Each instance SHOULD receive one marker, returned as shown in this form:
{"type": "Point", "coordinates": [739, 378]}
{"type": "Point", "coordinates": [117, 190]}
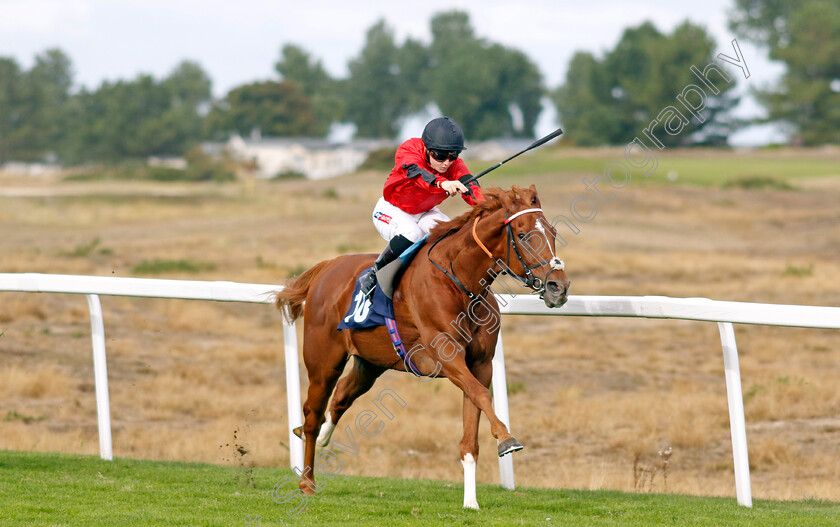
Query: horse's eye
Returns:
{"type": "Point", "coordinates": [521, 236]}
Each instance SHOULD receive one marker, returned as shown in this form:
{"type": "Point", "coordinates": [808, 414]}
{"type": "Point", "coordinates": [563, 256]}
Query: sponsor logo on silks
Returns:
{"type": "Point", "coordinates": [381, 216]}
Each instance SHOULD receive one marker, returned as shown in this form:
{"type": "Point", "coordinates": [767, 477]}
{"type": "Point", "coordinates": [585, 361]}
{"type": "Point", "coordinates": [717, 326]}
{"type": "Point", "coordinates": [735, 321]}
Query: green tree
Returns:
{"type": "Point", "coordinates": [48, 86]}
{"type": "Point", "coordinates": [297, 65]}
{"type": "Point", "coordinates": [273, 108]}
{"type": "Point", "coordinates": [805, 36]}
{"type": "Point", "coordinates": [613, 100]}
{"type": "Point", "coordinates": [118, 121]}
{"type": "Point", "coordinates": [10, 92]}
{"type": "Point", "coordinates": [190, 92]}
{"type": "Point", "coordinates": [139, 118]}
{"type": "Point", "coordinates": [189, 85]}
{"type": "Point", "coordinates": [323, 91]}
{"type": "Point", "coordinates": [375, 94]}
{"type": "Point", "coordinates": [580, 103]}
{"type": "Point", "coordinates": [413, 62]}
{"type": "Point", "coordinates": [489, 89]}
{"type": "Point", "coordinates": [478, 83]}
{"type": "Point", "coordinates": [34, 105]}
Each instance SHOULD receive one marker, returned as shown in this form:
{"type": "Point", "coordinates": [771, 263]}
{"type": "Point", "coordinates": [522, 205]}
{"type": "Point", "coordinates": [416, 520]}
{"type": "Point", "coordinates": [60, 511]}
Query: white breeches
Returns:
{"type": "Point", "coordinates": [390, 221]}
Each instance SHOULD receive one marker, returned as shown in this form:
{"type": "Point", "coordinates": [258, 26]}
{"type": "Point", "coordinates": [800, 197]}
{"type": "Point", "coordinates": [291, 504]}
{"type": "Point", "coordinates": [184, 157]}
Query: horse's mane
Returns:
{"type": "Point", "coordinates": [495, 198]}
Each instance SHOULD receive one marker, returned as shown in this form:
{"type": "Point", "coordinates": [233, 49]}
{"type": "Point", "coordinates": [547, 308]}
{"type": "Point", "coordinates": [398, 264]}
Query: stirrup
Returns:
{"type": "Point", "coordinates": [367, 283]}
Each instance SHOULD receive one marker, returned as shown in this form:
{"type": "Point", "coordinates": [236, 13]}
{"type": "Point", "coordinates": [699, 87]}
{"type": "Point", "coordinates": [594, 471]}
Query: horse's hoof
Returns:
{"type": "Point", "coordinates": [299, 432]}
{"type": "Point", "coordinates": [306, 488]}
{"type": "Point", "coordinates": [471, 504]}
{"type": "Point", "coordinates": [509, 445]}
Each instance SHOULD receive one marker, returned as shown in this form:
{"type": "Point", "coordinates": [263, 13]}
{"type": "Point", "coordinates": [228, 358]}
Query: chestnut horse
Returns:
{"type": "Point", "coordinates": [442, 308]}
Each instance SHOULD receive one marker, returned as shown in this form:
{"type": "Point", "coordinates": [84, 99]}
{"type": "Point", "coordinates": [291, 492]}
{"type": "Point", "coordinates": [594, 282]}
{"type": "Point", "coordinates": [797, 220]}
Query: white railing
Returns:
{"type": "Point", "coordinates": [701, 309]}
{"type": "Point", "coordinates": [93, 286]}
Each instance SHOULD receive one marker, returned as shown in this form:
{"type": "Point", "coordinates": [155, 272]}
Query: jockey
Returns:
{"type": "Point", "coordinates": [426, 172]}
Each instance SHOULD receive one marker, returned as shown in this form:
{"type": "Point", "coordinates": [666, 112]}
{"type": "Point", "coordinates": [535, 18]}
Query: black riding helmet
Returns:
{"type": "Point", "coordinates": [444, 134]}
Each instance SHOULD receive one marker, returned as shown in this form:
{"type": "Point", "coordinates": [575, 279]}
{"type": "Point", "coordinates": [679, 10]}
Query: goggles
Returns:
{"type": "Point", "coordinates": [441, 155]}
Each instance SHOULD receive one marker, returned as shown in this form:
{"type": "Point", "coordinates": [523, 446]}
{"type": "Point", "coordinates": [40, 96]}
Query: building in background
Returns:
{"type": "Point", "coordinates": [311, 157]}
{"type": "Point", "coordinates": [316, 158]}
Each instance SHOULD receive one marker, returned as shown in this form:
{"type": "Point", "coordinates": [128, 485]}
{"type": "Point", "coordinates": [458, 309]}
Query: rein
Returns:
{"type": "Point", "coordinates": [451, 273]}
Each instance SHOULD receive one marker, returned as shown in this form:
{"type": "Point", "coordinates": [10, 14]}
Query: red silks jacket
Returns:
{"type": "Point", "coordinates": [414, 195]}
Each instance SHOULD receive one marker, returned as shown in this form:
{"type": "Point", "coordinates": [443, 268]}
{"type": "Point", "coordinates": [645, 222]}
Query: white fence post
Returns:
{"type": "Point", "coordinates": [100, 377]}
{"type": "Point", "coordinates": [737, 423]}
{"type": "Point", "coordinates": [293, 395]}
{"type": "Point", "coordinates": [500, 406]}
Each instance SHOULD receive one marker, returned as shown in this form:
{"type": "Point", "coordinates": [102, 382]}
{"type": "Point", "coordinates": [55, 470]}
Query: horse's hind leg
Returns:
{"type": "Point", "coordinates": [325, 360]}
{"type": "Point", "coordinates": [357, 382]}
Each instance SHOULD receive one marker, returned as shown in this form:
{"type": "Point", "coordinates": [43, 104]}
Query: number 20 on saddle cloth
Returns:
{"type": "Point", "coordinates": [367, 313]}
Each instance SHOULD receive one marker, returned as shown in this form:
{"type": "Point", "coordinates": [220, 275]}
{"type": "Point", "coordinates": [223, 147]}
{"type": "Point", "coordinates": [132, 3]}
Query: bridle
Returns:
{"type": "Point", "coordinates": [529, 280]}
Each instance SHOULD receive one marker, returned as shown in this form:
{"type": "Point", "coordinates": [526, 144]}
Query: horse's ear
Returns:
{"type": "Point", "coordinates": [534, 199]}
{"type": "Point", "coordinates": [505, 198]}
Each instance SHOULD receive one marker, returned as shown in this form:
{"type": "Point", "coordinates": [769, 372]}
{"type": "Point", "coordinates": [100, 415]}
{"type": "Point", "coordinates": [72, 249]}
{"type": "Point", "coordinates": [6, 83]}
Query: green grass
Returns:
{"type": "Point", "coordinates": [14, 415]}
{"type": "Point", "coordinates": [157, 266]}
{"type": "Point", "coordinates": [793, 270]}
{"type": "Point", "coordinates": [83, 250]}
{"type": "Point", "coordinates": [758, 182]}
{"type": "Point", "coordinates": [66, 489]}
{"type": "Point", "coordinates": [718, 171]}
{"type": "Point", "coordinates": [701, 167]}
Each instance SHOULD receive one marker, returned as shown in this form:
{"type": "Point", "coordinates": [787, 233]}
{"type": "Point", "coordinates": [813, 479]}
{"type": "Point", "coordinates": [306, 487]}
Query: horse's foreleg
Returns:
{"type": "Point", "coordinates": [356, 383]}
{"type": "Point", "coordinates": [457, 372]}
{"type": "Point", "coordinates": [469, 452]}
{"type": "Point", "coordinates": [469, 443]}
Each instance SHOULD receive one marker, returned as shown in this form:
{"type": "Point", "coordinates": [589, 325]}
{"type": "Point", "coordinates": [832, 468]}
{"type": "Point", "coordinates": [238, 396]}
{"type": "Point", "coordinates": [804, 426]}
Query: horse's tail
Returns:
{"type": "Point", "coordinates": [290, 299]}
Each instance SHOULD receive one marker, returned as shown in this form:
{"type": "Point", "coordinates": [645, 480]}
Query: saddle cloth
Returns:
{"type": "Point", "coordinates": [364, 313]}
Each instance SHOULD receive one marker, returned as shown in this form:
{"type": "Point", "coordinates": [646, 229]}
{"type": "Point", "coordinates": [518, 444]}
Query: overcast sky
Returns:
{"type": "Point", "coordinates": [238, 42]}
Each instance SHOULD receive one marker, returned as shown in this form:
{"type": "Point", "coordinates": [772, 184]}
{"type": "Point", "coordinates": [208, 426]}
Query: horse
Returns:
{"type": "Point", "coordinates": [443, 311]}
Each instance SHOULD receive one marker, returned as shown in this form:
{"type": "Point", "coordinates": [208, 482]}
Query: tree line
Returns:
{"type": "Point", "coordinates": [491, 89]}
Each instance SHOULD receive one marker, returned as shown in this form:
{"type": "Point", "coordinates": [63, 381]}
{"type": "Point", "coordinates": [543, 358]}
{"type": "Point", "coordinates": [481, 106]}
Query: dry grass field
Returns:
{"type": "Point", "coordinates": [593, 400]}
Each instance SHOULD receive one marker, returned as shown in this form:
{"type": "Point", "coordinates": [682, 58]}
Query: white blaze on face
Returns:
{"type": "Point", "coordinates": [539, 226]}
{"type": "Point", "coordinates": [557, 264]}
{"type": "Point", "coordinates": [469, 464]}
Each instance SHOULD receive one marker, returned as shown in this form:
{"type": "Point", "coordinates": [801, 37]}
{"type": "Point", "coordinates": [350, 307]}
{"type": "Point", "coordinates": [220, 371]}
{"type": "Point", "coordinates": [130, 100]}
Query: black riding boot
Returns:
{"type": "Point", "coordinates": [395, 247]}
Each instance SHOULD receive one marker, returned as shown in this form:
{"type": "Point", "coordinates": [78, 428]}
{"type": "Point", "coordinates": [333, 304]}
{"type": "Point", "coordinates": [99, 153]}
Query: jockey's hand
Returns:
{"type": "Point", "coordinates": [453, 187]}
